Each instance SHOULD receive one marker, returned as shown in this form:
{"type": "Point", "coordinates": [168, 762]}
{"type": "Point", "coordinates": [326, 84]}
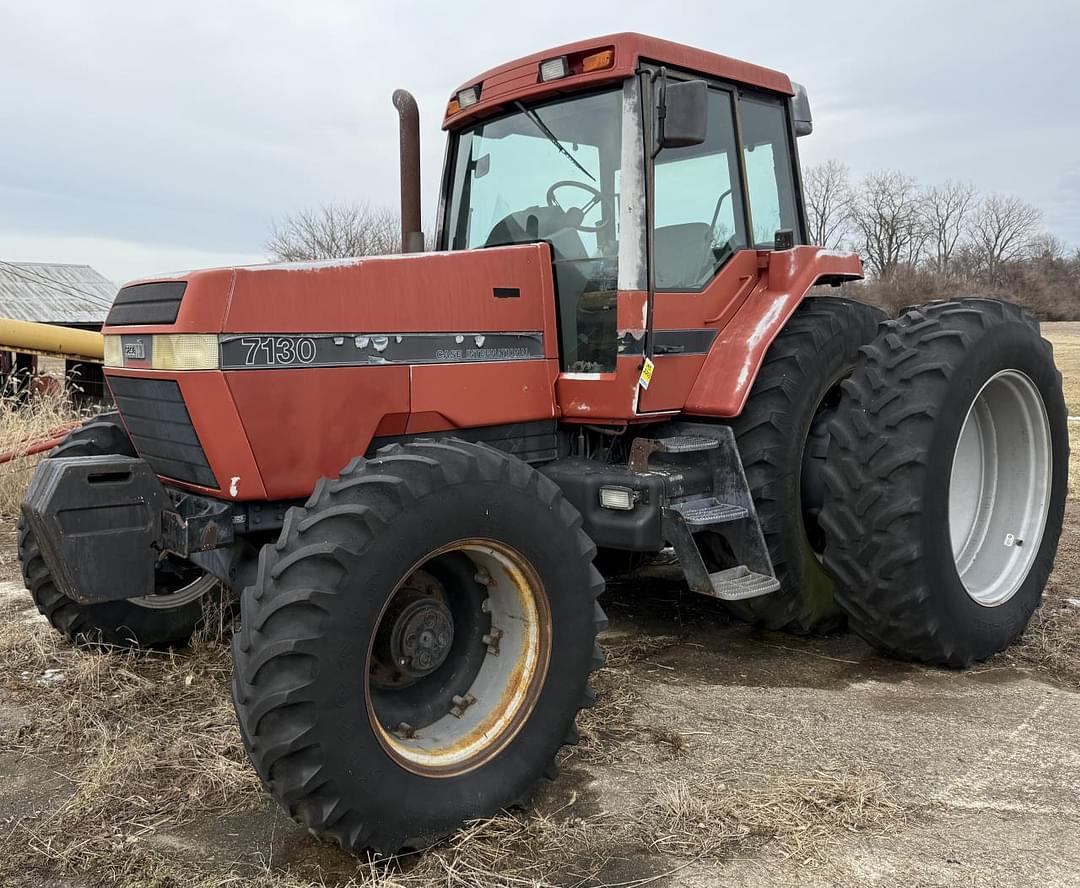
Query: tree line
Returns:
{"type": "Point", "coordinates": [921, 243]}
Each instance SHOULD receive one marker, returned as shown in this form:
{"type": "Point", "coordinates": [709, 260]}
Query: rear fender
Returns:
{"type": "Point", "coordinates": [731, 366]}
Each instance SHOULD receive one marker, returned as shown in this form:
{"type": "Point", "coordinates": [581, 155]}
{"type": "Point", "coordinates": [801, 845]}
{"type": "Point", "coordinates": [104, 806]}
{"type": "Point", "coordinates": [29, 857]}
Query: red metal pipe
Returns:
{"type": "Point", "coordinates": [40, 446]}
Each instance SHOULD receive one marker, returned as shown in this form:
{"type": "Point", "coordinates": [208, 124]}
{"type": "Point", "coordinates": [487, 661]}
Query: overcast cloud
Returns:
{"type": "Point", "coordinates": [143, 137]}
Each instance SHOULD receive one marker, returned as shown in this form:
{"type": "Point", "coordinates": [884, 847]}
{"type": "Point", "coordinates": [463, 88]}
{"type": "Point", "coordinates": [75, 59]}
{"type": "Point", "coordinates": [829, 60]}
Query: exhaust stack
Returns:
{"type": "Point", "coordinates": [412, 237]}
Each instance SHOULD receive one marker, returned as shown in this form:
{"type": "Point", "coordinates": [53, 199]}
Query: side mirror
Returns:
{"type": "Point", "coordinates": [683, 114]}
{"type": "Point", "coordinates": [800, 111]}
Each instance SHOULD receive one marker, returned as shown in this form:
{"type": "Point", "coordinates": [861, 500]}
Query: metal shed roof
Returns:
{"type": "Point", "coordinates": [52, 293]}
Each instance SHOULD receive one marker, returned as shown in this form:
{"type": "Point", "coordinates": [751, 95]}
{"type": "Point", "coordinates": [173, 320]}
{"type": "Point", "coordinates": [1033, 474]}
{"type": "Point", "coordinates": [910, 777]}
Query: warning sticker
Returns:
{"type": "Point", "coordinates": [646, 373]}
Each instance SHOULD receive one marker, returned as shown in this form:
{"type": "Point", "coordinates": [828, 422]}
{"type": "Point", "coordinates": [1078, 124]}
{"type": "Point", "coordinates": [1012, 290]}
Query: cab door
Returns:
{"type": "Point", "coordinates": [716, 206]}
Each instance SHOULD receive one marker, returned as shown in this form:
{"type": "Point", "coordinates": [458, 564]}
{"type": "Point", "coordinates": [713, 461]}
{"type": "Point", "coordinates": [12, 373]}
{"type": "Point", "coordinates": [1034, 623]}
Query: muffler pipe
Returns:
{"type": "Point", "coordinates": [412, 235]}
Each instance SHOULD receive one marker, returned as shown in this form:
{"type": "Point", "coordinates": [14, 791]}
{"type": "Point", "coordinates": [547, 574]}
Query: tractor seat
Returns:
{"type": "Point", "coordinates": [539, 223]}
{"type": "Point", "coordinates": [683, 255]}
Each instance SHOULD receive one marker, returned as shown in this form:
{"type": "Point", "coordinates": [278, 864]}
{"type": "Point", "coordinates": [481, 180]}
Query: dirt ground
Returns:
{"type": "Point", "coordinates": [717, 755]}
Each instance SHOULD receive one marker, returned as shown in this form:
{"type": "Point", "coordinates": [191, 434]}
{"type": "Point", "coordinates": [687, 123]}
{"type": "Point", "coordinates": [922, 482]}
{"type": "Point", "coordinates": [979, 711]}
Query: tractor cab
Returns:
{"type": "Point", "coordinates": [647, 174]}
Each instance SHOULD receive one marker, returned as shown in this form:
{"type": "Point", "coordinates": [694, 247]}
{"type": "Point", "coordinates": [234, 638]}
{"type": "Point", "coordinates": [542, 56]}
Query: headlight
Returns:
{"type": "Point", "coordinates": [114, 352]}
{"type": "Point", "coordinates": [163, 351]}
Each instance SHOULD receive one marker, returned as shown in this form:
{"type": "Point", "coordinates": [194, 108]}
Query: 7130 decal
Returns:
{"type": "Point", "coordinates": [252, 351]}
{"type": "Point", "coordinates": [272, 351]}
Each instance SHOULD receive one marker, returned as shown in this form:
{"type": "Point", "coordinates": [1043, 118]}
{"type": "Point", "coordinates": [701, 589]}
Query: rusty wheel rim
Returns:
{"type": "Point", "coordinates": [480, 722]}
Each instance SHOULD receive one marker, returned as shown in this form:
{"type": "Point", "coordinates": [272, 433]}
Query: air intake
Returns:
{"type": "Point", "coordinates": [147, 304]}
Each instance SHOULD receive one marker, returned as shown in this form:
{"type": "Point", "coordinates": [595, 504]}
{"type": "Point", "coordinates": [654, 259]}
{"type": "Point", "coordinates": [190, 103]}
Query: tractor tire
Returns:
{"type": "Point", "coordinates": [371, 733]}
{"type": "Point", "coordinates": [946, 480]}
{"type": "Point", "coordinates": [167, 615]}
{"type": "Point", "coordinates": [782, 435]}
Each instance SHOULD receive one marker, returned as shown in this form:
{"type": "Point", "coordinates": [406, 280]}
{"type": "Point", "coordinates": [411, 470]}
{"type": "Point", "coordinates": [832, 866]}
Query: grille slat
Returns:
{"type": "Point", "coordinates": [160, 428]}
{"type": "Point", "coordinates": [147, 304]}
{"type": "Point", "coordinates": [155, 431]}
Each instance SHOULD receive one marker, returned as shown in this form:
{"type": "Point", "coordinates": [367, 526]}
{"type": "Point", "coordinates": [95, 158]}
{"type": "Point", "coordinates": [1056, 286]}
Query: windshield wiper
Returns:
{"type": "Point", "coordinates": [540, 125]}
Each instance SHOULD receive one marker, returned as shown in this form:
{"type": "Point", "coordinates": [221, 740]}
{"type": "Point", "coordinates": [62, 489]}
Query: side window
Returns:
{"type": "Point", "coordinates": [770, 179]}
{"type": "Point", "coordinates": [698, 204]}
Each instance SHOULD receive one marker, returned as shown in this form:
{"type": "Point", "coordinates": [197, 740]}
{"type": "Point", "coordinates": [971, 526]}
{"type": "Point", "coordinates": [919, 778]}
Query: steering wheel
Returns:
{"type": "Point", "coordinates": [576, 214]}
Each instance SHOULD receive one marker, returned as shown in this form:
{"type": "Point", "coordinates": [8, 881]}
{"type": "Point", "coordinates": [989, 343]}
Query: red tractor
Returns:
{"type": "Point", "coordinates": [405, 466]}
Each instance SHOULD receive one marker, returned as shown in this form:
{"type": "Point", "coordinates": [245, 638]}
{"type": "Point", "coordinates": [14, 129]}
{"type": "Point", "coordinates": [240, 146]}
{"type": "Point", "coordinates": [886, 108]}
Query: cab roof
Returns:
{"type": "Point", "coordinates": [520, 79]}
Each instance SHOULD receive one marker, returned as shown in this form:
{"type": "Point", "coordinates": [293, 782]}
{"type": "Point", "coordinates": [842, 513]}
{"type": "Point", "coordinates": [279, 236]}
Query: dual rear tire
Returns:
{"type": "Point", "coordinates": [946, 480]}
{"type": "Point", "coordinates": [910, 475]}
{"type": "Point", "coordinates": [782, 434]}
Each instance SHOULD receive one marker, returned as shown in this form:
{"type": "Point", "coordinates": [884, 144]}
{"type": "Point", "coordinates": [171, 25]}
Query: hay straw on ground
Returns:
{"type": "Point", "coordinates": [24, 422]}
{"type": "Point", "coordinates": [151, 737]}
{"type": "Point", "coordinates": [152, 744]}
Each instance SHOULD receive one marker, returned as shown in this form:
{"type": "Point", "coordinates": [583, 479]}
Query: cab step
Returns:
{"type": "Point", "coordinates": [740, 583]}
{"type": "Point", "coordinates": [726, 510]}
{"type": "Point", "coordinates": [705, 512]}
{"type": "Point", "coordinates": [687, 443]}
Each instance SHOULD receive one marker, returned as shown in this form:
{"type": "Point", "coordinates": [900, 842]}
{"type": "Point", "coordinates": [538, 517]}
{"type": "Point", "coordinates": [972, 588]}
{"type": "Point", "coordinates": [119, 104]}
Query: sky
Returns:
{"type": "Point", "coordinates": [143, 138]}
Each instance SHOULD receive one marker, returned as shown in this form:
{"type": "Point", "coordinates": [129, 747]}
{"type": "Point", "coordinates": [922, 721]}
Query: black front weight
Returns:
{"type": "Point", "coordinates": [98, 522]}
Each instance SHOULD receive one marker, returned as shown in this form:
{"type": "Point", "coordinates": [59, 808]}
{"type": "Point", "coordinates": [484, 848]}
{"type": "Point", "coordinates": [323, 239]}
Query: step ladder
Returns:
{"type": "Point", "coordinates": [729, 512]}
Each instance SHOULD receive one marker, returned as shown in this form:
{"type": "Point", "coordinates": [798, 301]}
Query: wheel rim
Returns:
{"type": "Point", "coordinates": [178, 590]}
{"type": "Point", "coordinates": [999, 487]}
{"type": "Point", "coordinates": [495, 650]}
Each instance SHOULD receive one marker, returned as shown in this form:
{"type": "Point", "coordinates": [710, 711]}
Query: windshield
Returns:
{"type": "Point", "coordinates": [551, 173]}
{"type": "Point", "coordinates": [534, 168]}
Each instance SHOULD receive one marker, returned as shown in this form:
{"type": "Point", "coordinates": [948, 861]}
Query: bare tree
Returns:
{"type": "Point", "coordinates": [335, 231]}
{"type": "Point", "coordinates": [945, 211]}
{"type": "Point", "coordinates": [828, 203]}
{"type": "Point", "coordinates": [887, 216]}
{"type": "Point", "coordinates": [1049, 246]}
{"type": "Point", "coordinates": [1002, 229]}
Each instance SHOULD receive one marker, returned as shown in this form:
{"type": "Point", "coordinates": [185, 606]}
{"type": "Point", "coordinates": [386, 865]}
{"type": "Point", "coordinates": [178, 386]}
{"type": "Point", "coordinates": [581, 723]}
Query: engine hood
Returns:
{"type": "Point", "coordinates": [481, 291]}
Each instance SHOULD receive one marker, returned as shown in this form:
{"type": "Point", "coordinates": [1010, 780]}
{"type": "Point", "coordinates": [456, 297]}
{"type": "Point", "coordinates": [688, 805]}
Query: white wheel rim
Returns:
{"type": "Point", "coordinates": [999, 487]}
{"type": "Point", "coordinates": [184, 595]}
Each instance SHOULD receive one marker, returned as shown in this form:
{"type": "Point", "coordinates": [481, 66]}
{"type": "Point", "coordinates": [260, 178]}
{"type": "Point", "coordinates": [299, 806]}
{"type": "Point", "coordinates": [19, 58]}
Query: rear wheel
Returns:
{"type": "Point", "coordinates": [783, 437]}
{"type": "Point", "coordinates": [167, 614]}
{"type": "Point", "coordinates": [946, 482]}
{"type": "Point", "coordinates": [417, 645]}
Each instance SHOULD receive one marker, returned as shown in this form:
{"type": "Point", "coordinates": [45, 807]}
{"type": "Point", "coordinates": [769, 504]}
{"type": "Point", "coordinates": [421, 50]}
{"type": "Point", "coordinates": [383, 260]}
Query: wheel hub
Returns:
{"type": "Point", "coordinates": [459, 657]}
{"type": "Point", "coordinates": [421, 637]}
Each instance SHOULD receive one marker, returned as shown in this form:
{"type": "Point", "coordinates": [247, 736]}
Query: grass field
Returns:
{"type": "Point", "coordinates": [717, 755]}
{"type": "Point", "coordinates": [1065, 337]}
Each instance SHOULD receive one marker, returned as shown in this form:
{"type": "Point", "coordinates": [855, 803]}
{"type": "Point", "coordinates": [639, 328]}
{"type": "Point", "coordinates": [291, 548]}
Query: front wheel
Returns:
{"type": "Point", "coordinates": [417, 644]}
{"type": "Point", "coordinates": [946, 479]}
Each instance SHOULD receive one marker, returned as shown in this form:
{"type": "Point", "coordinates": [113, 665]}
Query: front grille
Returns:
{"type": "Point", "coordinates": [147, 304]}
{"type": "Point", "coordinates": [160, 427]}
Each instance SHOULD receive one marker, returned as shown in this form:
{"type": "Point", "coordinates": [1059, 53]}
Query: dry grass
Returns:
{"type": "Point", "coordinates": [150, 737]}
{"type": "Point", "coordinates": [23, 424]}
{"type": "Point", "coordinates": [801, 813]}
{"type": "Point", "coordinates": [1065, 337]}
{"type": "Point", "coordinates": [1051, 642]}
{"type": "Point", "coordinates": [151, 744]}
